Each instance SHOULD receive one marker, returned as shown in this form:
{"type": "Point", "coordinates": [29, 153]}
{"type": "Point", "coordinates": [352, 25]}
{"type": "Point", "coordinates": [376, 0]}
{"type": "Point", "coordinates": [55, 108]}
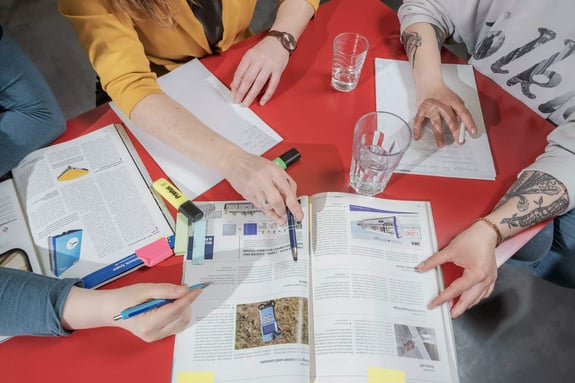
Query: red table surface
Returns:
{"type": "Point", "coordinates": [318, 121]}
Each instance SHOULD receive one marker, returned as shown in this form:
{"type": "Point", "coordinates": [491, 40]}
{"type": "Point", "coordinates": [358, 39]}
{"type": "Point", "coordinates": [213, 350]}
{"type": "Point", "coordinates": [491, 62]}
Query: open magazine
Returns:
{"type": "Point", "coordinates": [351, 308]}
{"type": "Point", "coordinates": [80, 209]}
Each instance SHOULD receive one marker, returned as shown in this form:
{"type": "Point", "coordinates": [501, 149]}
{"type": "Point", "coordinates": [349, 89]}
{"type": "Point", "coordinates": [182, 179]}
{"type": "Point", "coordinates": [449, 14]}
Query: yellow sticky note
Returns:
{"type": "Point", "coordinates": [195, 377]}
{"type": "Point", "coordinates": [384, 375]}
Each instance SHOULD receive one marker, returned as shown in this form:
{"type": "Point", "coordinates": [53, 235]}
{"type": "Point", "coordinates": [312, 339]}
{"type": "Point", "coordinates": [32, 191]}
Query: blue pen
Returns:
{"type": "Point", "coordinates": [292, 237]}
{"type": "Point", "coordinates": [152, 304]}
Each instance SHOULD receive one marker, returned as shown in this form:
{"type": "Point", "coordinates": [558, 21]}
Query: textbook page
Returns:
{"type": "Point", "coordinates": [395, 92]}
{"type": "Point", "coordinates": [88, 207]}
{"type": "Point", "coordinates": [369, 303]}
{"type": "Point", "coordinates": [251, 324]}
{"type": "Point", "coordinates": [200, 92]}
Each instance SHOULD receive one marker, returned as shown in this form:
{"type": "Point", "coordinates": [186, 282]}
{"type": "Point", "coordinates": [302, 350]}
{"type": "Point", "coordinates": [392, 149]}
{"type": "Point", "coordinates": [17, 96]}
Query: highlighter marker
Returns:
{"type": "Point", "coordinates": [177, 199]}
{"type": "Point", "coordinates": [287, 158]}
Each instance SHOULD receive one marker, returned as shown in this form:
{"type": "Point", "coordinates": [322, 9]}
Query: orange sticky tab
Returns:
{"type": "Point", "coordinates": [155, 252]}
{"type": "Point", "coordinates": [195, 377]}
{"type": "Point", "coordinates": [384, 375]}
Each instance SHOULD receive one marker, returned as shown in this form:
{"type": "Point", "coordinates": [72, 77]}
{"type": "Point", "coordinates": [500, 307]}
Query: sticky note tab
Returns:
{"type": "Point", "coordinates": [384, 375]}
{"type": "Point", "coordinates": [181, 243]}
{"type": "Point", "coordinates": [195, 377]}
{"type": "Point", "coordinates": [155, 252]}
{"type": "Point", "coordinates": [199, 245]}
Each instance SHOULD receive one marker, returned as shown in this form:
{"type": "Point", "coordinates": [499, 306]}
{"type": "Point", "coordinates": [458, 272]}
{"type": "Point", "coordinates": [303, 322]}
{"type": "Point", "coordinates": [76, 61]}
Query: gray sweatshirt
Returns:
{"type": "Point", "coordinates": [528, 49]}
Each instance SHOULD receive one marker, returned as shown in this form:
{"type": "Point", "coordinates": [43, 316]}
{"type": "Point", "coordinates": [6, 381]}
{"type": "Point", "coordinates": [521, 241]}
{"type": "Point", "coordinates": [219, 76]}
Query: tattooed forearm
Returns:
{"type": "Point", "coordinates": [530, 190]}
{"type": "Point", "coordinates": [411, 41]}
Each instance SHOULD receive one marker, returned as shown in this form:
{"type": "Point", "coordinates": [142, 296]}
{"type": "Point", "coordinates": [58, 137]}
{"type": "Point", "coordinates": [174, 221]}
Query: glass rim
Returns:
{"type": "Point", "coordinates": [379, 113]}
{"type": "Point", "coordinates": [356, 34]}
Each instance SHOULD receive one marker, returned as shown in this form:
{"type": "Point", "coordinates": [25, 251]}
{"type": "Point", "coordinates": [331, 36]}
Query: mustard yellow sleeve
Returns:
{"type": "Point", "coordinates": [114, 50]}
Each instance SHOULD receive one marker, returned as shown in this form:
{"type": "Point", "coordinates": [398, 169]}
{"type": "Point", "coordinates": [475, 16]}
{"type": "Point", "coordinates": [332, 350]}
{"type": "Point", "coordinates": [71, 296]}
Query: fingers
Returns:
{"type": "Point", "coordinates": [466, 119]}
{"type": "Point", "coordinates": [263, 64]}
{"type": "Point", "coordinates": [249, 84]}
{"type": "Point", "coordinates": [279, 195]}
{"type": "Point", "coordinates": [163, 291]}
{"type": "Point", "coordinates": [271, 88]}
{"type": "Point", "coordinates": [470, 298]}
{"type": "Point", "coordinates": [451, 113]}
{"type": "Point", "coordinates": [435, 260]}
{"type": "Point", "coordinates": [165, 320]}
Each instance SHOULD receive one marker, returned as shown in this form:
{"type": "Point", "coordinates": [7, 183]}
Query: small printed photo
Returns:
{"type": "Point", "coordinates": [416, 342]}
{"type": "Point", "coordinates": [278, 321]}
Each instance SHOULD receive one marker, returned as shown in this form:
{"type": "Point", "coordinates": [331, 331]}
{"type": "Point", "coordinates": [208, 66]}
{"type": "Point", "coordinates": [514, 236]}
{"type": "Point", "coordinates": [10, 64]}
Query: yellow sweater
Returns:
{"type": "Point", "coordinates": [121, 54]}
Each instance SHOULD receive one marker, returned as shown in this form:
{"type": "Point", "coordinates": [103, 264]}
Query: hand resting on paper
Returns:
{"type": "Point", "coordinates": [263, 64]}
{"type": "Point", "coordinates": [96, 308]}
{"type": "Point", "coordinates": [441, 106]}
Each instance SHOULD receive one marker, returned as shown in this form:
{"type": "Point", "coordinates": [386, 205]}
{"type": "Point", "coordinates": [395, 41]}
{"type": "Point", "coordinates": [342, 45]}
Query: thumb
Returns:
{"type": "Point", "coordinates": [166, 291]}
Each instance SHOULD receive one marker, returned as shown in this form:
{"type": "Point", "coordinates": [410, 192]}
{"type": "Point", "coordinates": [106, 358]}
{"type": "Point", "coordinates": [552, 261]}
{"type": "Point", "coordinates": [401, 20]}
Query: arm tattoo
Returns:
{"type": "Point", "coordinates": [532, 186]}
{"type": "Point", "coordinates": [411, 41]}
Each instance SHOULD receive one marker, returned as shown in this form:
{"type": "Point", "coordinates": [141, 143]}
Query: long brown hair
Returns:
{"type": "Point", "coordinates": [159, 11]}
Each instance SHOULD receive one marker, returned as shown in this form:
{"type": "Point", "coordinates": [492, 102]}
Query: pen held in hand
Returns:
{"type": "Point", "coordinates": [292, 236]}
{"type": "Point", "coordinates": [152, 304]}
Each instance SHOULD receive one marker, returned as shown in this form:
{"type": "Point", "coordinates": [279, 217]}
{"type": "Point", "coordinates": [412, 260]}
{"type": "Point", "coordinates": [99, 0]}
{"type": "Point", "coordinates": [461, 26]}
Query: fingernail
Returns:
{"type": "Point", "coordinates": [181, 289]}
{"type": "Point", "coordinates": [418, 267]}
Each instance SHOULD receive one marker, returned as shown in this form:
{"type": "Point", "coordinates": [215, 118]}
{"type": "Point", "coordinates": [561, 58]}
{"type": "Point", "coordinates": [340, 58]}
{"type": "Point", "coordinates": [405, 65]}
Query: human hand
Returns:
{"type": "Point", "coordinates": [441, 105]}
{"type": "Point", "coordinates": [265, 184]}
{"type": "Point", "coordinates": [85, 308]}
{"type": "Point", "coordinates": [160, 322]}
{"type": "Point", "coordinates": [263, 63]}
{"type": "Point", "coordinates": [474, 251]}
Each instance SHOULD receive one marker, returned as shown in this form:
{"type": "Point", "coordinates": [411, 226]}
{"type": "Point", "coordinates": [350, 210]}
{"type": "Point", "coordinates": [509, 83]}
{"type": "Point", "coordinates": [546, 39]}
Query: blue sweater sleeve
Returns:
{"type": "Point", "coordinates": [32, 304]}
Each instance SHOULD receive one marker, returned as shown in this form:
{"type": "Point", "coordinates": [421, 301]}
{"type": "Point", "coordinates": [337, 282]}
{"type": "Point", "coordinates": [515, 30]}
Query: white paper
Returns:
{"type": "Point", "coordinates": [199, 91]}
{"type": "Point", "coordinates": [395, 92]}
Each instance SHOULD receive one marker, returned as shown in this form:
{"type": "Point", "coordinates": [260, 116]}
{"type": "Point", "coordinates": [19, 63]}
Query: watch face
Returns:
{"type": "Point", "coordinates": [288, 41]}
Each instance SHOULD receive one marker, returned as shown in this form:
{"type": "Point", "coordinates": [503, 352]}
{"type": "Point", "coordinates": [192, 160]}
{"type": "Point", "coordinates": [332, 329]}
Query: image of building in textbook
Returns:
{"type": "Point", "coordinates": [277, 321]}
{"type": "Point", "coordinates": [416, 342]}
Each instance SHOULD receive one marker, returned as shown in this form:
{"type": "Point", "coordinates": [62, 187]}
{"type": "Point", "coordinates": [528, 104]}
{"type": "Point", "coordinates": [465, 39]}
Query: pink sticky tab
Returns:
{"type": "Point", "coordinates": [155, 252]}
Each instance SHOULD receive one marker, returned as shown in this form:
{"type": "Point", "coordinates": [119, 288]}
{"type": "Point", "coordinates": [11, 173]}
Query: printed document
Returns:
{"type": "Point", "coordinates": [80, 209]}
{"type": "Point", "coordinates": [395, 92]}
{"type": "Point", "coordinates": [351, 306]}
{"type": "Point", "coordinates": [199, 91]}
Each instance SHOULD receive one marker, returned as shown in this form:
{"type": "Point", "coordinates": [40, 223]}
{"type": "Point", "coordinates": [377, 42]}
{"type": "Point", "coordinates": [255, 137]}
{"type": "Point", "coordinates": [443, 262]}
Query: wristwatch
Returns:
{"type": "Point", "coordinates": [287, 40]}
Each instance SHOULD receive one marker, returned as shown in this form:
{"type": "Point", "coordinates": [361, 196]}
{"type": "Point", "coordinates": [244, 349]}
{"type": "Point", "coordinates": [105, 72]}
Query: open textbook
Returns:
{"type": "Point", "coordinates": [80, 209]}
{"type": "Point", "coordinates": [395, 92]}
{"type": "Point", "coordinates": [200, 92]}
{"type": "Point", "coordinates": [351, 309]}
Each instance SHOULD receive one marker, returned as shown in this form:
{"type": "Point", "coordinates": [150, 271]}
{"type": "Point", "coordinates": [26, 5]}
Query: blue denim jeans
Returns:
{"type": "Point", "coordinates": [550, 255]}
{"type": "Point", "coordinates": [29, 114]}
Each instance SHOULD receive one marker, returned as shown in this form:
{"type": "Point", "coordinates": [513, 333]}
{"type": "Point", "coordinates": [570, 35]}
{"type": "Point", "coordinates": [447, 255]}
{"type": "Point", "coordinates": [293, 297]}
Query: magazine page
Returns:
{"type": "Point", "coordinates": [88, 207]}
{"type": "Point", "coordinates": [251, 323]}
{"type": "Point", "coordinates": [369, 303]}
